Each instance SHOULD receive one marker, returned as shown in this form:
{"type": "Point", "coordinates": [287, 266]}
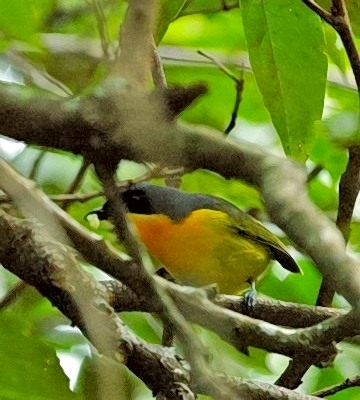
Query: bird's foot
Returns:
{"type": "Point", "coordinates": [250, 295]}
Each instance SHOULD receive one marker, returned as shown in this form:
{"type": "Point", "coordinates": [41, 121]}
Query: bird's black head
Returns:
{"type": "Point", "coordinates": [137, 200]}
{"type": "Point", "coordinates": [145, 198]}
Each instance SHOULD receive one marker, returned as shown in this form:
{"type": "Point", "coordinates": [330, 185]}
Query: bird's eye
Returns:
{"type": "Point", "coordinates": [137, 202]}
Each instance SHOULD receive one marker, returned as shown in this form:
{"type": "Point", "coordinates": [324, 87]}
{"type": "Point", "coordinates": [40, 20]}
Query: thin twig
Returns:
{"type": "Point", "coordinates": [35, 168]}
{"type": "Point", "coordinates": [12, 294]}
{"type": "Point", "coordinates": [193, 348]}
{"type": "Point", "coordinates": [79, 197]}
{"type": "Point", "coordinates": [41, 78]}
{"type": "Point", "coordinates": [220, 66]}
{"type": "Point", "coordinates": [338, 19]}
{"type": "Point", "coordinates": [325, 15]}
{"type": "Point", "coordinates": [181, 9]}
{"type": "Point", "coordinates": [239, 89]}
{"type": "Point", "coordinates": [153, 171]}
{"type": "Point", "coordinates": [157, 69]}
{"type": "Point", "coordinates": [343, 27]}
{"type": "Point", "coordinates": [76, 183]}
{"type": "Point", "coordinates": [348, 383]}
{"type": "Point", "coordinates": [314, 173]}
{"type": "Point", "coordinates": [239, 86]}
{"type": "Point", "coordinates": [102, 27]}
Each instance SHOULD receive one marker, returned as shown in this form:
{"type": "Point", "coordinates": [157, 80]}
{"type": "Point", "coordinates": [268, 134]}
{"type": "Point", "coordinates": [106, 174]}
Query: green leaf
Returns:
{"type": "Point", "coordinates": [202, 181]}
{"type": "Point", "coordinates": [103, 375]}
{"type": "Point", "coordinates": [206, 31]}
{"type": "Point", "coordinates": [208, 6]}
{"type": "Point", "coordinates": [31, 368]}
{"type": "Point", "coordinates": [323, 195]}
{"type": "Point", "coordinates": [355, 235]}
{"type": "Point", "coordinates": [353, 7]}
{"type": "Point", "coordinates": [214, 108]}
{"type": "Point", "coordinates": [18, 20]}
{"type": "Point", "coordinates": [327, 154]}
{"type": "Point", "coordinates": [281, 285]}
{"type": "Point", "coordinates": [169, 11]}
{"type": "Point", "coordinates": [285, 44]}
{"type": "Point", "coordinates": [334, 49]}
{"type": "Point", "coordinates": [344, 127]}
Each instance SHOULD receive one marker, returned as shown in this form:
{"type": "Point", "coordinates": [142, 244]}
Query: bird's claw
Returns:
{"type": "Point", "coordinates": [250, 296]}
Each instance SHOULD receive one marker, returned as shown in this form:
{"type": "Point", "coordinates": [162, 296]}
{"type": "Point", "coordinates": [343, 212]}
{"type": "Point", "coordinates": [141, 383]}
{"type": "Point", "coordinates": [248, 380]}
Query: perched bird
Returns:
{"type": "Point", "coordinates": [201, 239]}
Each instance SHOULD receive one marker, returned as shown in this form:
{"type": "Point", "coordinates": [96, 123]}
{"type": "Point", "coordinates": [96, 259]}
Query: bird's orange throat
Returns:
{"type": "Point", "coordinates": [202, 249]}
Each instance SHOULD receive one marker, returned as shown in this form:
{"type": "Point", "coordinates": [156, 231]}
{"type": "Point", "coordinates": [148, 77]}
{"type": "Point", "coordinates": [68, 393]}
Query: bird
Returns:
{"type": "Point", "coordinates": [201, 239]}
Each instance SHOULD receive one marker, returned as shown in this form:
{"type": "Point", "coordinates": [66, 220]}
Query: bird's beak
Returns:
{"type": "Point", "coordinates": [94, 217]}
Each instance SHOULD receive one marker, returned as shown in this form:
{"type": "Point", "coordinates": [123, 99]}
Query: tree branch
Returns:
{"type": "Point", "coordinates": [348, 383]}
{"type": "Point", "coordinates": [193, 348]}
{"type": "Point", "coordinates": [239, 87]}
{"type": "Point", "coordinates": [76, 183]}
{"type": "Point", "coordinates": [12, 294]}
{"type": "Point", "coordinates": [350, 180]}
{"type": "Point", "coordinates": [45, 273]}
{"type": "Point", "coordinates": [321, 12]}
{"type": "Point", "coordinates": [124, 131]}
{"type": "Point", "coordinates": [51, 267]}
{"type": "Point", "coordinates": [292, 315]}
{"type": "Point", "coordinates": [134, 63]}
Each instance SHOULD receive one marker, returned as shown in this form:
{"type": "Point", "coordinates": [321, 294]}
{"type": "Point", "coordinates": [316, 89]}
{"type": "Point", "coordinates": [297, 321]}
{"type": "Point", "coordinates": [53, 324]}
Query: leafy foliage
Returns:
{"type": "Point", "coordinates": [285, 92]}
{"type": "Point", "coordinates": [291, 73]}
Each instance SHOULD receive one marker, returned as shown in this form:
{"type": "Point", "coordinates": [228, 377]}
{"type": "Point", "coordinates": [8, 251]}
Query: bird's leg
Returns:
{"type": "Point", "coordinates": [168, 329]}
{"type": "Point", "coordinates": [250, 295]}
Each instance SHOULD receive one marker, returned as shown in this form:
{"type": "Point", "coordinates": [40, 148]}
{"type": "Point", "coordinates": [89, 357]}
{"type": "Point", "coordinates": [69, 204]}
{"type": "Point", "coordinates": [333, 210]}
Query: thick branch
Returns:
{"type": "Point", "coordinates": [238, 330]}
{"type": "Point", "coordinates": [248, 331]}
{"type": "Point", "coordinates": [276, 312]}
{"type": "Point", "coordinates": [52, 269]}
{"type": "Point", "coordinates": [131, 129]}
{"type": "Point", "coordinates": [241, 331]}
{"type": "Point", "coordinates": [193, 348]}
{"type": "Point", "coordinates": [350, 180]}
{"type": "Point", "coordinates": [292, 315]}
{"type": "Point", "coordinates": [158, 368]}
{"type": "Point", "coordinates": [136, 42]}
{"type": "Point", "coordinates": [59, 284]}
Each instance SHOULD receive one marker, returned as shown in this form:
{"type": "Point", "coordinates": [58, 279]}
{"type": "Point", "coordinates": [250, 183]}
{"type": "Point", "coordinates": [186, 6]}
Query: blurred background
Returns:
{"type": "Point", "coordinates": [54, 46]}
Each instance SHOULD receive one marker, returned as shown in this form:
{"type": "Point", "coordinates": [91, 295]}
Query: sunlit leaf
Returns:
{"type": "Point", "coordinates": [334, 49]}
{"type": "Point", "coordinates": [294, 287]}
{"type": "Point", "coordinates": [169, 10]}
{"type": "Point", "coordinates": [32, 368]}
{"type": "Point", "coordinates": [203, 31]}
{"type": "Point", "coordinates": [286, 45]}
{"type": "Point", "coordinates": [18, 20]}
{"type": "Point", "coordinates": [327, 154]}
{"type": "Point", "coordinates": [208, 6]}
{"type": "Point", "coordinates": [353, 7]}
{"type": "Point", "coordinates": [214, 108]}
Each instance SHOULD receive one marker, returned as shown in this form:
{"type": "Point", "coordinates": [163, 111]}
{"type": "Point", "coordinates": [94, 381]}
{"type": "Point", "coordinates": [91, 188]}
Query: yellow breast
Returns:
{"type": "Point", "coordinates": [203, 249]}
